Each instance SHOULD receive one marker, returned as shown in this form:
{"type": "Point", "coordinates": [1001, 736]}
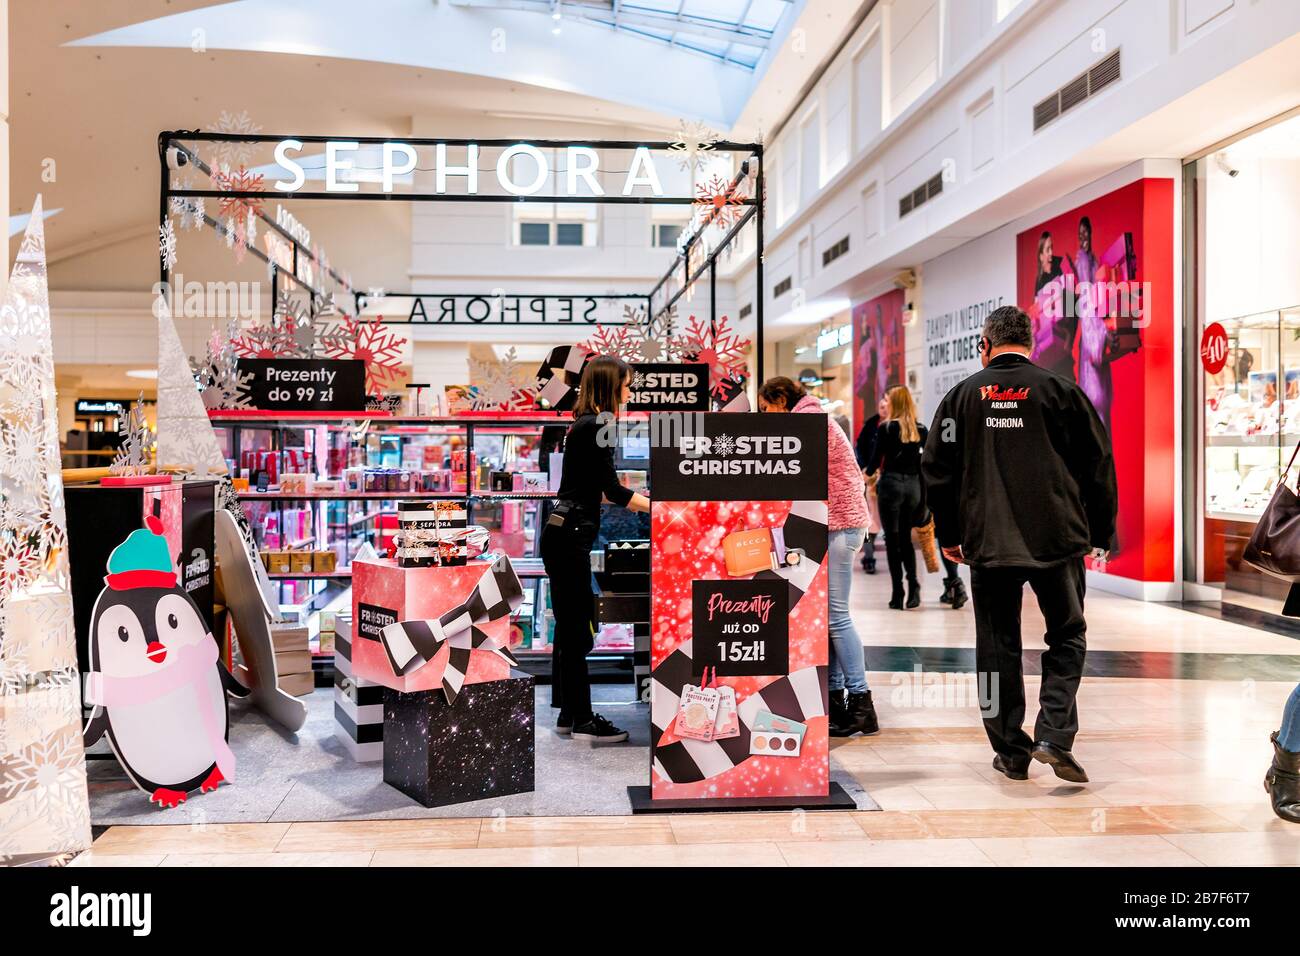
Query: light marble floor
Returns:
{"type": "Point", "coordinates": [1176, 770]}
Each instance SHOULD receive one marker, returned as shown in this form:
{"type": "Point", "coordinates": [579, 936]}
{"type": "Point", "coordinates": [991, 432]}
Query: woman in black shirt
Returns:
{"type": "Point", "coordinates": [568, 536]}
{"type": "Point", "coordinates": [897, 456]}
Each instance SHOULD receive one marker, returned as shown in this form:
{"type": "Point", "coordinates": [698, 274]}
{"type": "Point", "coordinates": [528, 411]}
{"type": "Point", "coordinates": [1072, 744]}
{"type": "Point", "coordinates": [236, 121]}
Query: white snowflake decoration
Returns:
{"type": "Point", "coordinates": [724, 445]}
{"type": "Point", "coordinates": [497, 385]}
{"type": "Point", "coordinates": [167, 244]}
{"type": "Point", "coordinates": [638, 381]}
{"type": "Point", "coordinates": [234, 153]}
{"type": "Point", "coordinates": [136, 451]}
{"type": "Point", "coordinates": [694, 139]}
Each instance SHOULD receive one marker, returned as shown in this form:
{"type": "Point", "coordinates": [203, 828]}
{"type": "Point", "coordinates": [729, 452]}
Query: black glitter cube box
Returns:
{"type": "Point", "coordinates": [481, 746]}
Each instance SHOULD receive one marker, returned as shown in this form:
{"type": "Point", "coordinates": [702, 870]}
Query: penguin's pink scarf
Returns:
{"type": "Point", "coordinates": [189, 665]}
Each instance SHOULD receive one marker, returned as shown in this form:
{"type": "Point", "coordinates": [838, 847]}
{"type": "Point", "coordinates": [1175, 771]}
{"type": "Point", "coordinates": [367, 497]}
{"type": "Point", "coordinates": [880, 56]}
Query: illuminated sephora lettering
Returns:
{"type": "Point", "coordinates": [525, 178]}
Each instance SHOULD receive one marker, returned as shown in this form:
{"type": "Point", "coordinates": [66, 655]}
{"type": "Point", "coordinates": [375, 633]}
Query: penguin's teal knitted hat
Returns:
{"type": "Point", "coordinates": [142, 560]}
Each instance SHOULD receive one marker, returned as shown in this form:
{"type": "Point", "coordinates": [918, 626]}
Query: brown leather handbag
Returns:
{"type": "Point", "coordinates": [1274, 547]}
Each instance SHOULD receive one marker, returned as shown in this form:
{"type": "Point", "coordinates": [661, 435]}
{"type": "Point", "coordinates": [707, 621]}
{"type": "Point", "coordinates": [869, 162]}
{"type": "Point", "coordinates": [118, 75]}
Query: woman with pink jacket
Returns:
{"type": "Point", "coordinates": [848, 520]}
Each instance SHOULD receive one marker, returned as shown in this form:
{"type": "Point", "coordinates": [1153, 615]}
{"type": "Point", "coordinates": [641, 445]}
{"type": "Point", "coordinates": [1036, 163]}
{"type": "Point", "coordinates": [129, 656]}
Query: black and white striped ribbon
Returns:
{"type": "Point", "coordinates": [797, 696]}
{"type": "Point", "coordinates": [412, 644]}
{"type": "Point", "coordinates": [558, 376]}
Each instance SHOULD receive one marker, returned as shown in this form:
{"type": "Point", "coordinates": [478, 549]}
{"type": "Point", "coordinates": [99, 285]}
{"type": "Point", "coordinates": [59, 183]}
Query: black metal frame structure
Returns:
{"type": "Point", "coordinates": [687, 262]}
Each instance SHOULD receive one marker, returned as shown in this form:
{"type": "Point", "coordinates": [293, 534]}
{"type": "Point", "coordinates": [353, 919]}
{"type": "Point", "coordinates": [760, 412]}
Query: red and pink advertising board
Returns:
{"type": "Point", "coordinates": [1098, 283]}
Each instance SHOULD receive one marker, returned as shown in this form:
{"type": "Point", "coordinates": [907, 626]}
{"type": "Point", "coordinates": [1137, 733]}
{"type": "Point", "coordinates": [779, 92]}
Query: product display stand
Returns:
{"type": "Point", "coordinates": [738, 698]}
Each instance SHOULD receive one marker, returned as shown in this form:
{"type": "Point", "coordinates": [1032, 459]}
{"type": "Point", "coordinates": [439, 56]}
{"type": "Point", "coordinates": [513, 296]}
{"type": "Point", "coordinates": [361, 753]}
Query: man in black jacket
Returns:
{"type": "Point", "coordinates": [1021, 481]}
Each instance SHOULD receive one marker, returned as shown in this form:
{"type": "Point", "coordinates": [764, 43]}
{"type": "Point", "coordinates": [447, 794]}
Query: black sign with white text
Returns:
{"type": "Point", "coordinates": [658, 387]}
{"type": "Point", "coordinates": [372, 618]}
{"type": "Point", "coordinates": [741, 627]}
{"type": "Point", "coordinates": [306, 385]}
{"type": "Point", "coordinates": [738, 456]}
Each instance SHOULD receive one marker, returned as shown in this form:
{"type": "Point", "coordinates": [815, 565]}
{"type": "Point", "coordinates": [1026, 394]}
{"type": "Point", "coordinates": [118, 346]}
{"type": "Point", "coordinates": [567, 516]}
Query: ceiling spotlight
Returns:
{"type": "Point", "coordinates": [150, 373]}
{"type": "Point", "coordinates": [555, 30]}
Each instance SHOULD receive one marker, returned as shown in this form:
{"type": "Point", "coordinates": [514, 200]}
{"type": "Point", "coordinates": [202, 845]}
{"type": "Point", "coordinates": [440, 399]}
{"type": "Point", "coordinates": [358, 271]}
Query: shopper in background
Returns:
{"type": "Point", "coordinates": [897, 459]}
{"type": "Point", "coordinates": [1021, 482]}
{"type": "Point", "coordinates": [847, 522]}
{"type": "Point", "coordinates": [862, 450]}
{"type": "Point", "coordinates": [1283, 778]}
{"type": "Point", "coordinates": [568, 535]}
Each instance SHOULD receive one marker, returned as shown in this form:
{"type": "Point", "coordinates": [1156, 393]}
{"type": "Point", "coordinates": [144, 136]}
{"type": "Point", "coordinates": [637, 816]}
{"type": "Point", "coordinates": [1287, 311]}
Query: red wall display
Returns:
{"type": "Point", "coordinates": [738, 611]}
{"type": "Point", "coordinates": [1098, 283]}
{"type": "Point", "coordinates": [879, 352]}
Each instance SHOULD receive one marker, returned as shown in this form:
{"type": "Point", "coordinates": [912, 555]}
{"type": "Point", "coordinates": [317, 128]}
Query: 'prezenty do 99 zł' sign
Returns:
{"type": "Point", "coordinates": [724, 456]}
{"type": "Point", "coordinates": [306, 385]}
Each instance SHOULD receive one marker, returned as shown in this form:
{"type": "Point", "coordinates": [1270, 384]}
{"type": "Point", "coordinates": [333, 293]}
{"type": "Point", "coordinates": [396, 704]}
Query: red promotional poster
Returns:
{"type": "Point", "coordinates": [1098, 283]}
{"type": "Point", "coordinates": [739, 643]}
{"type": "Point", "coordinates": [879, 352]}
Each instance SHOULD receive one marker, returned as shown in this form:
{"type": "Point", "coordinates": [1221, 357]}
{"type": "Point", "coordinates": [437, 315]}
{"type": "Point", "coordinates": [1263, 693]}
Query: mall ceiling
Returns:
{"type": "Point", "coordinates": [84, 118]}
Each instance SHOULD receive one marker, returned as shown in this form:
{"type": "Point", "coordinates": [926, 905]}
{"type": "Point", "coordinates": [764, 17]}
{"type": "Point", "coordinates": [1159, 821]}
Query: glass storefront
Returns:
{"type": "Point", "coordinates": [1241, 209]}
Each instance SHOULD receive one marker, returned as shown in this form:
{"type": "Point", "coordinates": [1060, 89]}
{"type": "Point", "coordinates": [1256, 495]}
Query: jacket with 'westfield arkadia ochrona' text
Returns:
{"type": "Point", "coordinates": [1018, 468]}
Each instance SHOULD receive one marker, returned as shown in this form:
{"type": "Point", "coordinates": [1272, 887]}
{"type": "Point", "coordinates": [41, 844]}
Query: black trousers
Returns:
{"type": "Point", "coordinates": [900, 498]}
{"type": "Point", "coordinates": [996, 594]}
{"type": "Point", "coordinates": [566, 555]}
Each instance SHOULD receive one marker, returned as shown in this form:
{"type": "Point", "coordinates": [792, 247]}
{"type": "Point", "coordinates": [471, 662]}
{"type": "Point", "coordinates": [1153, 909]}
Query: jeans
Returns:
{"type": "Point", "coordinates": [847, 666]}
{"type": "Point", "coordinates": [900, 497]}
{"type": "Point", "coordinates": [1288, 737]}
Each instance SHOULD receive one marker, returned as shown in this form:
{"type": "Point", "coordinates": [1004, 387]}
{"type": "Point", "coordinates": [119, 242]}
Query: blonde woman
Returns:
{"type": "Point", "coordinates": [896, 459]}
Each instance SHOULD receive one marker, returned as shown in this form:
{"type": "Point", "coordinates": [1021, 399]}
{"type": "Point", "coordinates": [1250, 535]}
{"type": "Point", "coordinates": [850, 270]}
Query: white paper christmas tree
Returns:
{"type": "Point", "coordinates": [43, 806]}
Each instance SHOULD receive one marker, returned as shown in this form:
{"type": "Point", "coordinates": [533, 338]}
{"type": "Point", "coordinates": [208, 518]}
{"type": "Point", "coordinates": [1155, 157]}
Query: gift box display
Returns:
{"type": "Point", "coordinates": [480, 746]}
{"type": "Point", "coordinates": [432, 533]}
{"type": "Point", "coordinates": [358, 703]}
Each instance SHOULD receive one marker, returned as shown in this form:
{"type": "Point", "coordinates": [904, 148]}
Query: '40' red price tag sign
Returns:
{"type": "Point", "coordinates": [1214, 348]}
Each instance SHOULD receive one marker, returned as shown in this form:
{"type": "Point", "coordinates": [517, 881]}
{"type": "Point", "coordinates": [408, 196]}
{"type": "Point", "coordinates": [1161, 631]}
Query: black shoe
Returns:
{"type": "Point", "coordinates": [946, 596]}
{"type": "Point", "coordinates": [1014, 769]}
{"type": "Point", "coordinates": [838, 715]}
{"type": "Point", "coordinates": [1282, 782]}
{"type": "Point", "coordinates": [959, 597]}
{"type": "Point", "coordinates": [564, 725]}
{"type": "Point", "coordinates": [913, 594]}
{"type": "Point", "coordinates": [869, 565]}
{"type": "Point", "coordinates": [896, 599]}
{"type": "Point", "coordinates": [598, 730]}
{"type": "Point", "coordinates": [1060, 760]}
{"type": "Point", "coordinates": [862, 715]}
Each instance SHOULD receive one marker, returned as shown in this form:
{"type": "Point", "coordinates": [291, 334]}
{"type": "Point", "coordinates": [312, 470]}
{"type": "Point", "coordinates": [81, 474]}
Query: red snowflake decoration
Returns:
{"type": "Point", "coordinates": [265, 342]}
{"type": "Point", "coordinates": [373, 343]}
{"type": "Point", "coordinates": [617, 340]}
{"type": "Point", "coordinates": [716, 345]}
{"type": "Point", "coordinates": [722, 202]}
{"type": "Point", "coordinates": [238, 207]}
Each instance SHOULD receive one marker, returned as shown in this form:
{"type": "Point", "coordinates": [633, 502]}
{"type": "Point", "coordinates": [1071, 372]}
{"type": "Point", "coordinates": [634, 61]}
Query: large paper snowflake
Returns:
{"type": "Point", "coordinates": [372, 342]}
{"type": "Point", "coordinates": [501, 386]}
{"type": "Point", "coordinates": [694, 140]}
{"type": "Point", "coordinates": [721, 202]}
{"type": "Point", "coordinates": [716, 345]}
{"type": "Point", "coordinates": [220, 383]}
{"type": "Point", "coordinates": [233, 153]}
{"type": "Point", "coordinates": [264, 342]}
{"type": "Point", "coordinates": [167, 244]}
{"type": "Point", "coordinates": [617, 340]}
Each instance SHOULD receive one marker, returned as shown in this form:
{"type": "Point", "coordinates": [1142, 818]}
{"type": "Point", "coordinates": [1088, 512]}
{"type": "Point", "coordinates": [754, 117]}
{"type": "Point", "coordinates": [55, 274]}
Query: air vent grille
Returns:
{"type": "Point", "coordinates": [921, 194]}
{"type": "Point", "coordinates": [782, 287]}
{"type": "Point", "coordinates": [1087, 84]}
{"type": "Point", "coordinates": [835, 251]}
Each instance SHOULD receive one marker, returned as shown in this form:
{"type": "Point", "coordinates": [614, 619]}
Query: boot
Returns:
{"type": "Point", "coordinates": [838, 715]}
{"type": "Point", "coordinates": [862, 715]}
{"type": "Point", "coordinates": [1282, 782]}
{"type": "Point", "coordinates": [959, 597]}
{"type": "Point", "coordinates": [896, 597]}
{"type": "Point", "coordinates": [913, 593]}
{"type": "Point", "coordinates": [946, 596]}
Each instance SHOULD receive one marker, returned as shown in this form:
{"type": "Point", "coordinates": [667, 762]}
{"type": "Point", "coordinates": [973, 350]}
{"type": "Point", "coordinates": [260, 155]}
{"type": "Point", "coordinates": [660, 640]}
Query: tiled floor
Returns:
{"type": "Point", "coordinates": [1175, 715]}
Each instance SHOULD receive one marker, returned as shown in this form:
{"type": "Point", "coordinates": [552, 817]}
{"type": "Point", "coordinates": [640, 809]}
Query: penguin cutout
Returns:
{"type": "Point", "coordinates": [156, 681]}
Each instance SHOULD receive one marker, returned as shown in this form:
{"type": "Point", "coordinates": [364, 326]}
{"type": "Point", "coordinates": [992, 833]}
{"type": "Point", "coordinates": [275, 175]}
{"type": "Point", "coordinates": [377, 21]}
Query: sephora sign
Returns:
{"type": "Point", "coordinates": [578, 178]}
